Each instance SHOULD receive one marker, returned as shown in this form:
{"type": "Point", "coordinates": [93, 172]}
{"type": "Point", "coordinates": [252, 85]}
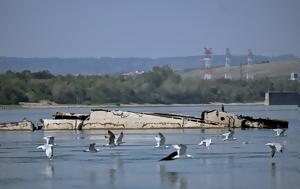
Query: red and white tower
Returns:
{"type": "Point", "coordinates": [227, 64]}
{"type": "Point", "coordinates": [207, 63]}
{"type": "Point", "coordinates": [249, 74]}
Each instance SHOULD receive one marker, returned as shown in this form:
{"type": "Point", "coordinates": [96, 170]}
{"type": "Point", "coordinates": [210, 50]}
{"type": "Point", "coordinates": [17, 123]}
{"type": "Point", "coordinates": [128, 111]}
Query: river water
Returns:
{"type": "Point", "coordinates": [135, 164]}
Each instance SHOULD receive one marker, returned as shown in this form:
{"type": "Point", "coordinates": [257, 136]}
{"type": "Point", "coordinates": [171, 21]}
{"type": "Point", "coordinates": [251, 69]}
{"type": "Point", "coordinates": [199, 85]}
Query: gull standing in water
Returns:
{"type": "Point", "coordinates": [205, 142]}
{"type": "Point", "coordinates": [275, 147]}
{"type": "Point", "coordinates": [229, 135]}
{"type": "Point", "coordinates": [160, 141]}
{"type": "Point", "coordinates": [280, 132]}
{"type": "Point", "coordinates": [92, 148]}
{"type": "Point", "coordinates": [181, 152]}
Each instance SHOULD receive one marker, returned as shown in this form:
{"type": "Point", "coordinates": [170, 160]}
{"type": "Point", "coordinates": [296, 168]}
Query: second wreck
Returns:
{"type": "Point", "coordinates": [116, 119]}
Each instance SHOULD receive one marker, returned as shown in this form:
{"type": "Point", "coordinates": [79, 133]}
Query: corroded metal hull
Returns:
{"type": "Point", "coordinates": [116, 119]}
{"type": "Point", "coordinates": [23, 125]}
{"type": "Point", "coordinates": [231, 120]}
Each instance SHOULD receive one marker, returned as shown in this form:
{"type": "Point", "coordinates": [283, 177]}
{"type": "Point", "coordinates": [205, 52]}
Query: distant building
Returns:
{"type": "Point", "coordinates": [133, 73]}
{"type": "Point", "coordinates": [282, 98]}
{"type": "Point", "coordinates": [294, 76]}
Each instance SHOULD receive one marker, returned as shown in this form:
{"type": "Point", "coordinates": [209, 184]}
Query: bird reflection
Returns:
{"type": "Point", "coordinates": [112, 177]}
{"type": "Point", "coordinates": [78, 134]}
{"type": "Point", "coordinates": [117, 168]}
{"type": "Point", "coordinates": [93, 177]}
{"type": "Point", "coordinates": [204, 161]}
{"type": "Point", "coordinates": [172, 179]}
{"type": "Point", "coordinates": [273, 170]}
{"type": "Point", "coordinates": [49, 170]}
{"type": "Point", "coordinates": [118, 163]}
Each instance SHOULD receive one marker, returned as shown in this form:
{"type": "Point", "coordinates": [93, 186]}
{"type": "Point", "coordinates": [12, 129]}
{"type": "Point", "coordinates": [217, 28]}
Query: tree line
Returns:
{"type": "Point", "coordinates": [161, 85]}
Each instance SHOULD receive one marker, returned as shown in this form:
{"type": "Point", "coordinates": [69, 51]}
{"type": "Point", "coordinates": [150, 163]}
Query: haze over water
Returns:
{"type": "Point", "coordinates": [135, 164]}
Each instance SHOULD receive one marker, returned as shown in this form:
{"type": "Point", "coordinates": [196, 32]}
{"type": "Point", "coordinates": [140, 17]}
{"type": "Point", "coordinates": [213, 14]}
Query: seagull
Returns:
{"type": "Point", "coordinates": [275, 147]}
{"type": "Point", "coordinates": [229, 135]}
{"type": "Point", "coordinates": [160, 141]}
{"type": "Point", "coordinates": [280, 132]}
{"type": "Point", "coordinates": [119, 139]}
{"type": "Point", "coordinates": [111, 139]}
{"type": "Point", "coordinates": [181, 152]}
{"type": "Point", "coordinates": [92, 148]}
{"type": "Point", "coordinates": [49, 140]}
{"type": "Point", "coordinates": [48, 148]}
{"type": "Point", "coordinates": [205, 142]}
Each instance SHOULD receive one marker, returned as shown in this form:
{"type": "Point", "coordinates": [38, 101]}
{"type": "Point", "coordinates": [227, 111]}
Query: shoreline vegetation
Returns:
{"type": "Point", "coordinates": [160, 86]}
{"type": "Point", "coordinates": [95, 106]}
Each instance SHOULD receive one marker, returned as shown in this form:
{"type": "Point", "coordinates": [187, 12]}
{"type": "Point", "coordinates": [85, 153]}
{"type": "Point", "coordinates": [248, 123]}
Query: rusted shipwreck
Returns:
{"type": "Point", "coordinates": [23, 125]}
{"type": "Point", "coordinates": [116, 119]}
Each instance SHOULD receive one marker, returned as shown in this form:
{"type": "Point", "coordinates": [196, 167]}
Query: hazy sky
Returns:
{"type": "Point", "coordinates": [147, 28]}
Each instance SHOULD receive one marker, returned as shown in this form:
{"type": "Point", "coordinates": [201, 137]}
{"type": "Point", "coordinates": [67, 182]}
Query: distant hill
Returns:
{"type": "Point", "coordinates": [271, 69]}
{"type": "Point", "coordinates": [107, 65]}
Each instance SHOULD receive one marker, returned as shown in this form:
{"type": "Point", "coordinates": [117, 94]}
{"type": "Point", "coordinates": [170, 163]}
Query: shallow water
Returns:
{"type": "Point", "coordinates": [135, 164]}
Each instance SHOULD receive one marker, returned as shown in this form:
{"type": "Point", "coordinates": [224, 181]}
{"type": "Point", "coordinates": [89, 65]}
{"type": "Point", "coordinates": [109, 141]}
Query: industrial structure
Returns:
{"type": "Point", "coordinates": [207, 63]}
{"type": "Point", "coordinates": [282, 98]}
{"type": "Point", "coordinates": [227, 64]}
{"type": "Point", "coordinates": [294, 76]}
{"type": "Point", "coordinates": [249, 73]}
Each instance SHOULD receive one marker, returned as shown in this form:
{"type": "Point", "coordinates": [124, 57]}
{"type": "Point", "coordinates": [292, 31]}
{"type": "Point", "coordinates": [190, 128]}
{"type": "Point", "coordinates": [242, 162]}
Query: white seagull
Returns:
{"type": "Point", "coordinates": [229, 135]}
{"type": "Point", "coordinates": [205, 142]}
{"type": "Point", "coordinates": [48, 148]}
{"type": "Point", "coordinates": [275, 147]}
{"type": "Point", "coordinates": [92, 148]}
{"type": "Point", "coordinates": [160, 140]}
{"type": "Point", "coordinates": [280, 132]}
{"type": "Point", "coordinates": [181, 152]}
{"type": "Point", "coordinates": [119, 139]}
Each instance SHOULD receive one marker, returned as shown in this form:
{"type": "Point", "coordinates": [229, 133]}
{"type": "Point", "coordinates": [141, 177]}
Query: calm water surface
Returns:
{"type": "Point", "coordinates": [135, 164]}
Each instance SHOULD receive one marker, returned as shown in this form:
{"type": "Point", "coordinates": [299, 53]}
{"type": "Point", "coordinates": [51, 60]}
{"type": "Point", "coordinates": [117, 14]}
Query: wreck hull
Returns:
{"type": "Point", "coordinates": [225, 119]}
{"type": "Point", "coordinates": [105, 119]}
{"type": "Point", "coordinates": [62, 124]}
{"type": "Point", "coordinates": [23, 125]}
{"type": "Point", "coordinates": [133, 120]}
{"type": "Point", "coordinates": [231, 120]}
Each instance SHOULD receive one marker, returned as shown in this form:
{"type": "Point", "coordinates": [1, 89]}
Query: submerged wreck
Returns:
{"type": "Point", "coordinates": [23, 125]}
{"type": "Point", "coordinates": [116, 119]}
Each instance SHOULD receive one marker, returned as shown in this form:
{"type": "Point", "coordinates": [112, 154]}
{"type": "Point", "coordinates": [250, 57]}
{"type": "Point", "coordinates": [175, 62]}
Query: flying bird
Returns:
{"type": "Point", "coordinates": [205, 142]}
{"type": "Point", "coordinates": [48, 148]}
{"type": "Point", "coordinates": [228, 135]}
{"type": "Point", "coordinates": [275, 147]}
{"type": "Point", "coordinates": [92, 148]}
{"type": "Point", "coordinates": [111, 139]}
{"type": "Point", "coordinates": [119, 139]}
{"type": "Point", "coordinates": [160, 140]}
{"type": "Point", "coordinates": [181, 152]}
{"type": "Point", "coordinates": [280, 132]}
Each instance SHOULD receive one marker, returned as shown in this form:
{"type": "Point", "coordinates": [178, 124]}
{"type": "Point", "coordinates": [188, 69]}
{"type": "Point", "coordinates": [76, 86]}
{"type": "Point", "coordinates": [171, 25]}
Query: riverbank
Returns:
{"type": "Point", "coordinates": [94, 106]}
